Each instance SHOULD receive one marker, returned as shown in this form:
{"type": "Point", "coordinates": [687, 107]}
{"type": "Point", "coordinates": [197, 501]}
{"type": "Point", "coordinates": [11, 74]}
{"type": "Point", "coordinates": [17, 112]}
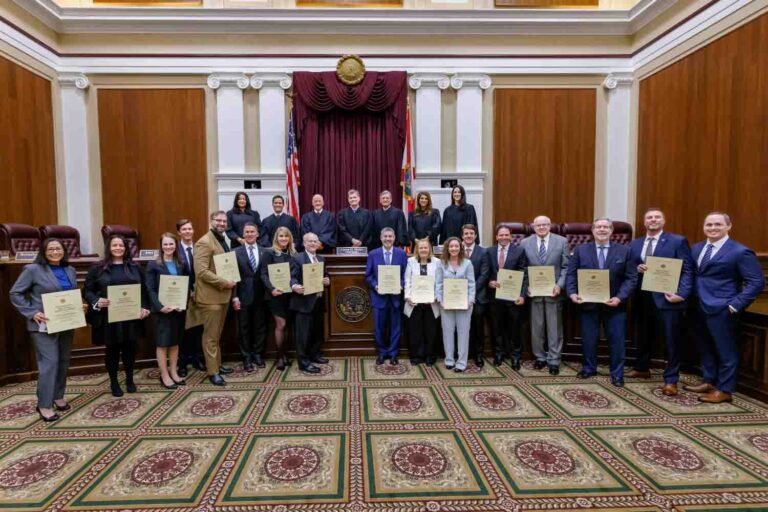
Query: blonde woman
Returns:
{"type": "Point", "coordinates": [422, 327]}
{"type": "Point", "coordinates": [281, 252]}
{"type": "Point", "coordinates": [453, 265]}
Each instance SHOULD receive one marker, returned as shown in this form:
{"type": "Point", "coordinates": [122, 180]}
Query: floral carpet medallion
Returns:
{"type": "Point", "coordinates": [591, 400]}
{"type": "Point", "coordinates": [307, 405]}
{"type": "Point", "coordinates": [335, 370]}
{"type": "Point", "coordinates": [402, 404]}
{"type": "Point", "coordinates": [684, 403]}
{"type": "Point", "coordinates": [495, 403]}
{"type": "Point", "coordinates": [404, 370]}
{"type": "Point", "coordinates": [108, 412]}
{"type": "Point", "coordinates": [210, 408]}
{"type": "Point", "coordinates": [18, 412]}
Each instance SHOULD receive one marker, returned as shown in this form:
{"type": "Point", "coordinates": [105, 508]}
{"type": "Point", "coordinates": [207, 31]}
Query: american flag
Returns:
{"type": "Point", "coordinates": [292, 170]}
{"type": "Point", "coordinates": [408, 171]}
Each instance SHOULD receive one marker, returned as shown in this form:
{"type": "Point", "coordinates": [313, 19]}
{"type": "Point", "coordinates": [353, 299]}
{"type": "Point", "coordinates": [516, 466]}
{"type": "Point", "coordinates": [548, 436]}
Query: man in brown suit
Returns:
{"type": "Point", "coordinates": [212, 295]}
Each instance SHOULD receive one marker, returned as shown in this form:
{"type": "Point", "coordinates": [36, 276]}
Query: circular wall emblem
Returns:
{"type": "Point", "coordinates": [668, 454]}
{"type": "Point", "coordinates": [32, 469]}
{"type": "Point", "coordinates": [292, 463]}
{"type": "Point", "coordinates": [419, 460]}
{"type": "Point", "coordinates": [212, 406]}
{"type": "Point", "coordinates": [350, 70]}
{"type": "Point", "coordinates": [545, 458]}
{"type": "Point", "coordinates": [162, 466]}
{"type": "Point", "coordinates": [353, 304]}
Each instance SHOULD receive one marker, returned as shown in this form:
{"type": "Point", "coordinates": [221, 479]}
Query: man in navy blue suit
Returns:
{"type": "Point", "coordinates": [386, 308]}
{"type": "Point", "coordinates": [656, 312]}
{"type": "Point", "coordinates": [602, 254]}
{"type": "Point", "coordinates": [728, 279]}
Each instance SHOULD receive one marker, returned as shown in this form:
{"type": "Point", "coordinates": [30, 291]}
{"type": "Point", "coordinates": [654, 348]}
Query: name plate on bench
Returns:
{"type": "Point", "coordinates": [26, 255]}
{"type": "Point", "coordinates": [148, 254]}
{"type": "Point", "coordinates": [352, 251]}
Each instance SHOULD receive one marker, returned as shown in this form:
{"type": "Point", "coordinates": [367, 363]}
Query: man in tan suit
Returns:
{"type": "Point", "coordinates": [212, 295]}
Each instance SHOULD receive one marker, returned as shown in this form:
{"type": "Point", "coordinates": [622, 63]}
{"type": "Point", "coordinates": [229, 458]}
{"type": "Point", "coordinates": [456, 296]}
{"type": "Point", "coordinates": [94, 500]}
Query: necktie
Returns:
{"type": "Point", "coordinates": [468, 253]}
{"type": "Point", "coordinates": [601, 256]}
{"type": "Point", "coordinates": [252, 258]}
{"type": "Point", "coordinates": [707, 256]}
{"type": "Point", "coordinates": [649, 249]}
{"type": "Point", "coordinates": [542, 251]}
{"type": "Point", "coordinates": [387, 258]}
{"type": "Point", "coordinates": [502, 256]}
{"type": "Point", "coordinates": [190, 261]}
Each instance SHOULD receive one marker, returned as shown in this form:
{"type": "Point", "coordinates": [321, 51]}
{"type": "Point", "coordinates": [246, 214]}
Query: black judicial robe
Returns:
{"type": "Point", "coordinates": [272, 222]}
{"type": "Point", "coordinates": [322, 224]}
{"type": "Point", "coordinates": [422, 226]}
{"type": "Point", "coordinates": [354, 224]}
{"type": "Point", "coordinates": [456, 216]}
{"type": "Point", "coordinates": [391, 218]}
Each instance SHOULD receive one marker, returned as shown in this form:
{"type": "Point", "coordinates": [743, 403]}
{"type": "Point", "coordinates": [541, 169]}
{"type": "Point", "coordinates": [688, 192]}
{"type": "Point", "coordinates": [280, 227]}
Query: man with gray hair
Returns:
{"type": "Point", "coordinates": [388, 216]}
{"type": "Point", "coordinates": [603, 255]}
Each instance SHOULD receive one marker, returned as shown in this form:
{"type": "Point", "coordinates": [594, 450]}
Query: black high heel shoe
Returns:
{"type": "Point", "coordinates": [62, 408]}
{"type": "Point", "coordinates": [47, 418]}
{"type": "Point", "coordinates": [181, 382]}
{"type": "Point", "coordinates": [172, 386]}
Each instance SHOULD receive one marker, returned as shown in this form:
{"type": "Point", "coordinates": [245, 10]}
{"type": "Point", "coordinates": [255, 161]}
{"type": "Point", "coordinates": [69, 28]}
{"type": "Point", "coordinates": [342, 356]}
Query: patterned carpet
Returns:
{"type": "Point", "coordinates": [358, 437]}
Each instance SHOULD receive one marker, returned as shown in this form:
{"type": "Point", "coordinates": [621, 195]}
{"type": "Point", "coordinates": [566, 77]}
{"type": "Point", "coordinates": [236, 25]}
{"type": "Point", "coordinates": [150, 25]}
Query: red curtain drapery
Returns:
{"type": "Point", "coordinates": [349, 136]}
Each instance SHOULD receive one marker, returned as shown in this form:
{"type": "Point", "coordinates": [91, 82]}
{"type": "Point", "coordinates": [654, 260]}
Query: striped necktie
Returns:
{"type": "Point", "coordinates": [251, 258]}
{"type": "Point", "coordinates": [542, 252]}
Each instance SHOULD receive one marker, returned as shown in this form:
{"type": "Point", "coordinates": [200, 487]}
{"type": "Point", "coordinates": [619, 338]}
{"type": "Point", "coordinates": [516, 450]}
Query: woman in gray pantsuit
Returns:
{"type": "Point", "coordinates": [453, 265]}
{"type": "Point", "coordinates": [50, 272]}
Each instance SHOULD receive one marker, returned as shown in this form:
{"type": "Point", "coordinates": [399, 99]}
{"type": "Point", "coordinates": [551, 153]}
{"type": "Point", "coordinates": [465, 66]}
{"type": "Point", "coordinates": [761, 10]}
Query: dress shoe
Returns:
{"type": "Point", "coordinates": [637, 374]}
{"type": "Point", "coordinates": [225, 370]}
{"type": "Point", "coordinates": [619, 383]}
{"type": "Point", "coordinates": [217, 380]}
{"type": "Point", "coordinates": [515, 364]}
{"type": "Point", "coordinates": [64, 407]}
{"type": "Point", "coordinates": [430, 361]}
{"type": "Point", "coordinates": [458, 370]}
{"type": "Point", "coordinates": [704, 387]}
{"type": "Point", "coordinates": [309, 368]}
{"type": "Point", "coordinates": [415, 361]}
{"type": "Point", "coordinates": [393, 361]}
{"type": "Point", "coordinates": [259, 362]}
{"type": "Point", "coordinates": [172, 386]}
{"type": "Point", "coordinates": [554, 370]}
{"type": "Point", "coordinates": [379, 360]}
{"type": "Point", "coordinates": [130, 387]}
{"type": "Point", "coordinates": [280, 365]}
{"type": "Point", "coordinates": [479, 362]}
{"type": "Point", "coordinates": [320, 360]}
{"type": "Point", "coordinates": [584, 375]}
{"type": "Point", "coordinates": [497, 360]}
{"type": "Point", "coordinates": [716, 397]}
{"type": "Point", "coordinates": [199, 365]}
{"type": "Point", "coordinates": [449, 367]}
{"type": "Point", "coordinates": [47, 418]}
{"type": "Point", "coordinates": [538, 365]}
{"type": "Point", "coordinates": [116, 390]}
{"type": "Point", "coordinates": [181, 382]}
{"type": "Point", "coordinates": [669, 389]}
{"type": "Point", "coordinates": [248, 367]}
{"type": "Point", "coordinates": [182, 371]}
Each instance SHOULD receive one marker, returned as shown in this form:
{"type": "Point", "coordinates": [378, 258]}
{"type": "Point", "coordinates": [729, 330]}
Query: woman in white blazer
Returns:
{"type": "Point", "coordinates": [422, 325]}
{"type": "Point", "coordinates": [453, 265]}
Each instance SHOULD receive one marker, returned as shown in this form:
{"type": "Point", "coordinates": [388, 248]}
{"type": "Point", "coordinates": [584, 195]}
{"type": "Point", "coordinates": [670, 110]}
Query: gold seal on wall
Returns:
{"type": "Point", "coordinates": [350, 70]}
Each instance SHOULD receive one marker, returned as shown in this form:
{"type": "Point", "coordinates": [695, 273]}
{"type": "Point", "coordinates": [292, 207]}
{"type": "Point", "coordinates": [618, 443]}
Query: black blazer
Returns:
{"type": "Point", "coordinates": [516, 260]}
{"type": "Point", "coordinates": [421, 226]}
{"type": "Point", "coordinates": [96, 283]}
{"type": "Point", "coordinates": [354, 225]}
{"type": "Point", "coordinates": [269, 257]}
{"type": "Point", "coordinates": [250, 289]}
{"type": "Point", "coordinates": [482, 266]}
{"type": "Point", "coordinates": [304, 303]}
{"type": "Point", "coordinates": [152, 280]}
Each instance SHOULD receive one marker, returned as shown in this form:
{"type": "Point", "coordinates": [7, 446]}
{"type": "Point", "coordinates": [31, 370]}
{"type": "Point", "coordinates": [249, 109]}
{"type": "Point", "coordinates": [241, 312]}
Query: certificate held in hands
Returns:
{"type": "Point", "coordinates": [64, 310]}
{"type": "Point", "coordinates": [594, 285]}
{"type": "Point", "coordinates": [280, 276]}
{"type": "Point", "coordinates": [662, 275]}
{"type": "Point", "coordinates": [124, 303]}
{"type": "Point", "coordinates": [173, 291]}
{"type": "Point", "coordinates": [312, 277]}
{"type": "Point", "coordinates": [541, 281]}
{"type": "Point", "coordinates": [389, 279]}
{"type": "Point", "coordinates": [455, 294]}
{"type": "Point", "coordinates": [511, 282]}
{"type": "Point", "coordinates": [226, 266]}
{"type": "Point", "coordinates": [423, 289]}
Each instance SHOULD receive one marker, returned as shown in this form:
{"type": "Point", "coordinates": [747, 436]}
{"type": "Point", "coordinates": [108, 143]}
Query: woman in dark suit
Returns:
{"type": "Point", "coordinates": [118, 338]}
{"type": "Point", "coordinates": [281, 252]}
{"type": "Point", "coordinates": [457, 214]}
{"type": "Point", "coordinates": [237, 217]}
{"type": "Point", "coordinates": [169, 322]}
{"type": "Point", "coordinates": [49, 273]}
{"type": "Point", "coordinates": [424, 221]}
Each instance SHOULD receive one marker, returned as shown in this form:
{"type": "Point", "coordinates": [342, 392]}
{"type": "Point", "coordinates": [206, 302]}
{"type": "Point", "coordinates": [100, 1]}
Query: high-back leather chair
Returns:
{"type": "Point", "coordinates": [622, 233]}
{"type": "Point", "coordinates": [576, 233]}
{"type": "Point", "coordinates": [519, 230]}
{"type": "Point", "coordinates": [69, 236]}
{"type": "Point", "coordinates": [130, 234]}
{"type": "Point", "coordinates": [19, 237]}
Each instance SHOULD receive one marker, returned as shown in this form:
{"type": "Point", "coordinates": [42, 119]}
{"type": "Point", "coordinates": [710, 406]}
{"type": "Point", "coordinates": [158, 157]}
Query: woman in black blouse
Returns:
{"type": "Point", "coordinates": [281, 252]}
{"type": "Point", "coordinates": [237, 217]}
{"type": "Point", "coordinates": [459, 213]}
{"type": "Point", "coordinates": [118, 338]}
{"type": "Point", "coordinates": [424, 221]}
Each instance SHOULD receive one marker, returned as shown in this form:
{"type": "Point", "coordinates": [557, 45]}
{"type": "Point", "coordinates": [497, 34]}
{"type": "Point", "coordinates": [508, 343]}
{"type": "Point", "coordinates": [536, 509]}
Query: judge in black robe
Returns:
{"type": "Point", "coordinates": [388, 217]}
{"type": "Point", "coordinates": [354, 223]}
{"type": "Point", "coordinates": [276, 220]}
{"type": "Point", "coordinates": [424, 221]}
{"type": "Point", "coordinates": [458, 214]}
{"type": "Point", "coordinates": [320, 222]}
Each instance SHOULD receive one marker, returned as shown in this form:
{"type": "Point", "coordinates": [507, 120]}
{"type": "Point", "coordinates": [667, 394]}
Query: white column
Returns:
{"type": "Point", "coordinates": [469, 120]}
{"type": "Point", "coordinates": [272, 122]}
{"type": "Point", "coordinates": [78, 200]}
{"type": "Point", "coordinates": [428, 106]}
{"type": "Point", "coordinates": [230, 126]}
{"type": "Point", "coordinates": [618, 148]}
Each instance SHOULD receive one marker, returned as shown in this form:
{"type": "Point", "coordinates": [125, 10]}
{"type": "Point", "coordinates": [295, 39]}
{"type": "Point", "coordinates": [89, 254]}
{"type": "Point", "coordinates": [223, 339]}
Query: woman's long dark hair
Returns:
{"type": "Point", "coordinates": [463, 201]}
{"type": "Point", "coordinates": [160, 260]}
{"type": "Point", "coordinates": [418, 210]}
{"type": "Point", "coordinates": [106, 261]}
{"type": "Point", "coordinates": [40, 259]}
{"type": "Point", "coordinates": [247, 202]}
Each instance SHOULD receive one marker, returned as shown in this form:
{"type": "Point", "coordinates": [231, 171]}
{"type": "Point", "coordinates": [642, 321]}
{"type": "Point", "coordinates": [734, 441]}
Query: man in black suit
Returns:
{"type": "Point", "coordinates": [249, 300]}
{"type": "Point", "coordinates": [479, 258]}
{"type": "Point", "coordinates": [354, 223]}
{"type": "Point", "coordinates": [309, 308]}
{"type": "Point", "coordinates": [276, 220]}
{"type": "Point", "coordinates": [321, 222]}
{"type": "Point", "coordinates": [389, 217]}
{"type": "Point", "coordinates": [191, 347]}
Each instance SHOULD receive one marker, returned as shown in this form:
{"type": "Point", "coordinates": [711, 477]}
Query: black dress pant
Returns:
{"type": "Point", "coordinates": [252, 322]}
{"type": "Point", "coordinates": [507, 340]}
{"type": "Point", "coordinates": [422, 333]}
{"type": "Point", "coordinates": [309, 331]}
{"type": "Point", "coordinates": [191, 346]}
{"type": "Point", "coordinates": [477, 331]}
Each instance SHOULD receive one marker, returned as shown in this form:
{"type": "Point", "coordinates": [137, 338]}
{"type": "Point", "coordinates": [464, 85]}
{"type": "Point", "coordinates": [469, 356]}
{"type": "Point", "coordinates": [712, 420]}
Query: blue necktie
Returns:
{"type": "Point", "coordinates": [601, 256]}
{"type": "Point", "coordinates": [190, 261]}
{"type": "Point", "coordinates": [387, 258]}
{"type": "Point", "coordinates": [542, 252]}
{"type": "Point", "coordinates": [707, 256]}
{"type": "Point", "coordinates": [251, 258]}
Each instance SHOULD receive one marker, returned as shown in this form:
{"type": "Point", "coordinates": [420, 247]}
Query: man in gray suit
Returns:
{"type": "Point", "coordinates": [547, 249]}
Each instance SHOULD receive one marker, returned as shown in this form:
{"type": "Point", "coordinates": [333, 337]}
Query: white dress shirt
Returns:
{"type": "Point", "coordinates": [717, 246]}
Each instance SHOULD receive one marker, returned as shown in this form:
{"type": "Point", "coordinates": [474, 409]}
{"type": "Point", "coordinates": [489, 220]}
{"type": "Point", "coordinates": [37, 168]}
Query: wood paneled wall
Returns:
{"type": "Point", "coordinates": [703, 137]}
{"type": "Point", "coordinates": [153, 159]}
{"type": "Point", "coordinates": [27, 166]}
{"type": "Point", "coordinates": [544, 154]}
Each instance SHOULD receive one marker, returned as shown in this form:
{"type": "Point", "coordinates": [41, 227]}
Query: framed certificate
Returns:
{"type": "Point", "coordinates": [541, 281]}
{"type": "Point", "coordinates": [594, 285]}
{"type": "Point", "coordinates": [173, 291]}
{"type": "Point", "coordinates": [389, 279]}
{"type": "Point", "coordinates": [226, 266]}
{"type": "Point", "coordinates": [423, 289]}
{"type": "Point", "coordinates": [124, 303]}
{"type": "Point", "coordinates": [511, 282]}
{"type": "Point", "coordinates": [64, 310]}
{"type": "Point", "coordinates": [280, 276]}
{"type": "Point", "coordinates": [663, 274]}
{"type": "Point", "coordinates": [312, 277]}
{"type": "Point", "coordinates": [455, 293]}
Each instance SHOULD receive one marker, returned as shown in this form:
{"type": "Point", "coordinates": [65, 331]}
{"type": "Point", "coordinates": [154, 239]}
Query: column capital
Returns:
{"type": "Point", "coordinates": [460, 80]}
{"type": "Point", "coordinates": [78, 80]}
{"type": "Point", "coordinates": [614, 80]}
{"type": "Point", "coordinates": [282, 80]}
{"type": "Point", "coordinates": [218, 80]}
{"type": "Point", "coordinates": [418, 80]}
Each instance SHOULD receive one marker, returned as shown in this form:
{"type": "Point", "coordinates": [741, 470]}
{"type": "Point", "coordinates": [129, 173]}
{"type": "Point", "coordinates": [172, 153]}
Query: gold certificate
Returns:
{"type": "Point", "coordinates": [64, 310]}
{"type": "Point", "coordinates": [663, 274]}
{"type": "Point", "coordinates": [423, 289]}
{"type": "Point", "coordinates": [511, 282]}
{"type": "Point", "coordinates": [455, 294]}
{"type": "Point", "coordinates": [594, 285]}
{"type": "Point", "coordinates": [312, 276]}
{"type": "Point", "coordinates": [389, 279]}
{"type": "Point", "coordinates": [173, 291]}
{"type": "Point", "coordinates": [280, 276]}
{"type": "Point", "coordinates": [124, 303]}
{"type": "Point", "coordinates": [541, 281]}
{"type": "Point", "coordinates": [226, 266]}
